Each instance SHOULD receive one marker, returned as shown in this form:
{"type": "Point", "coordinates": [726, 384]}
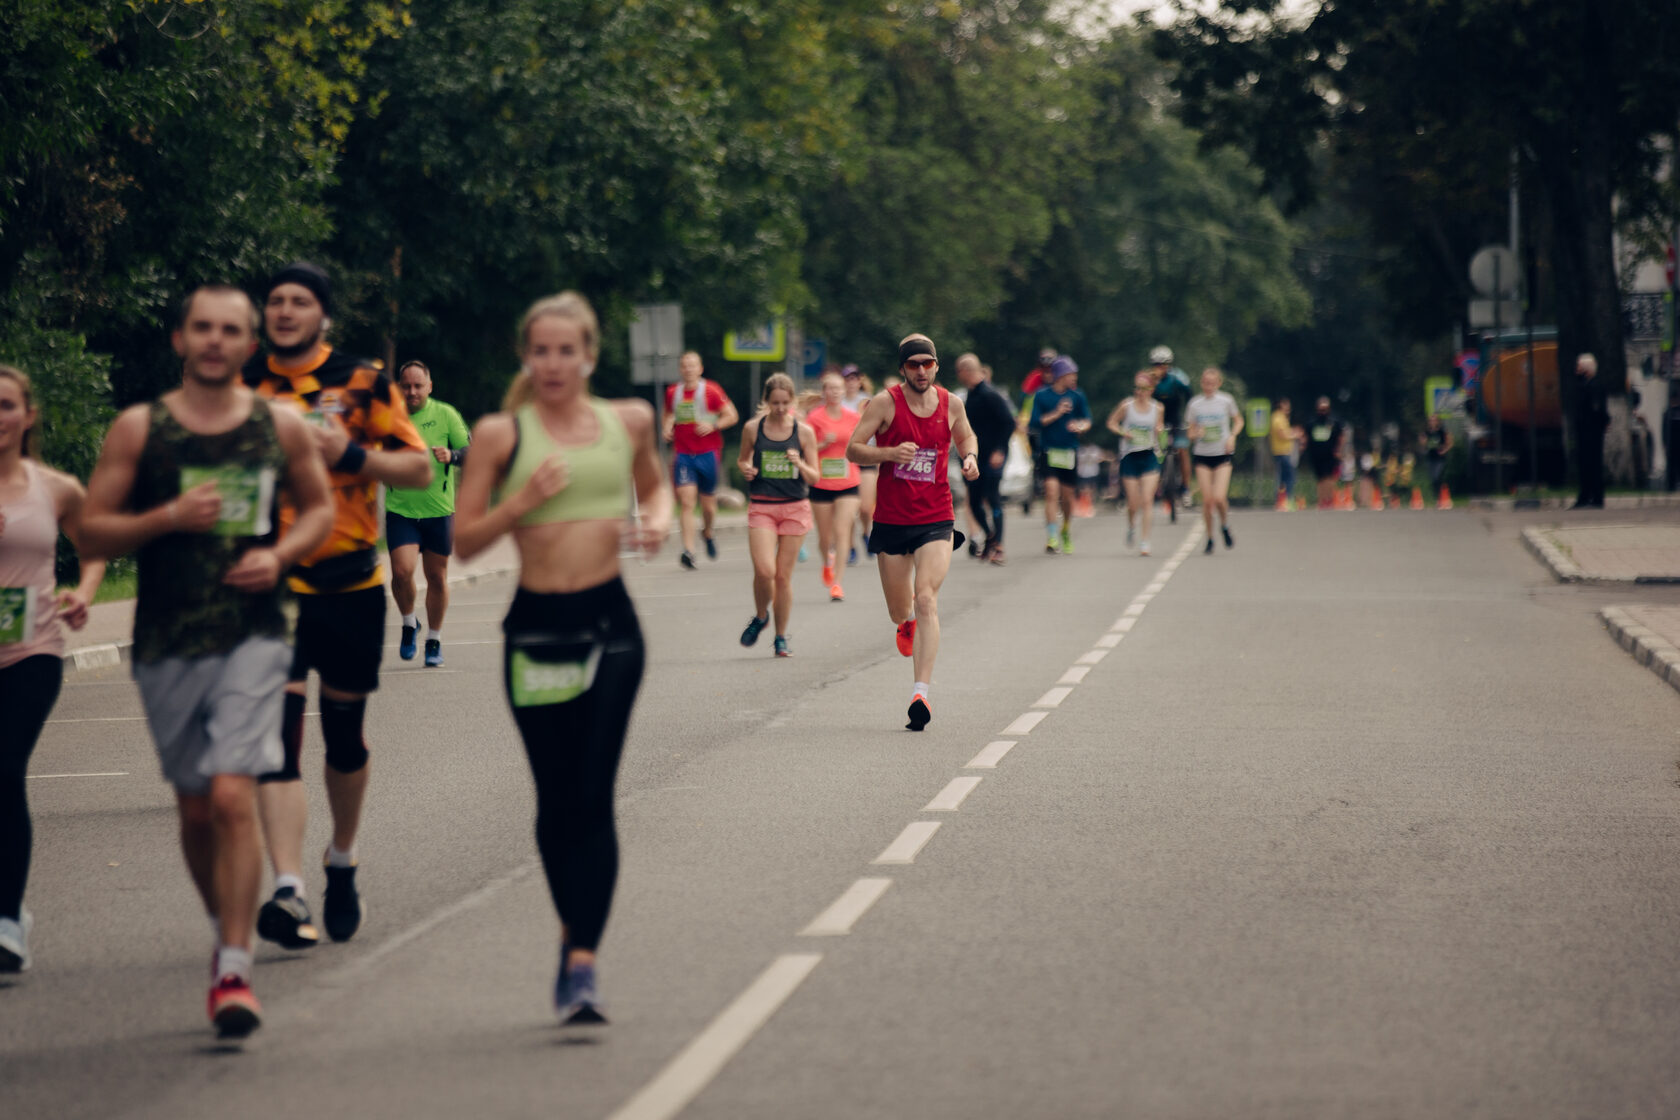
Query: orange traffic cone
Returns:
{"type": "Point", "coordinates": [1282, 502]}
{"type": "Point", "coordinates": [1083, 506]}
{"type": "Point", "coordinates": [1446, 500]}
{"type": "Point", "coordinates": [1347, 499]}
{"type": "Point", "coordinates": [1417, 498]}
{"type": "Point", "coordinates": [1300, 504]}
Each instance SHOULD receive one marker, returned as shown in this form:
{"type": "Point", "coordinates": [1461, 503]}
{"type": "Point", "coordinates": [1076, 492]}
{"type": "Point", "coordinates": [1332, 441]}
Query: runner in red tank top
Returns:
{"type": "Point", "coordinates": [914, 425]}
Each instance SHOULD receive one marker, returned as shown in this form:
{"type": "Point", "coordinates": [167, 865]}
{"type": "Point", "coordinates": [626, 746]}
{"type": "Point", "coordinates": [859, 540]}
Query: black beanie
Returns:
{"type": "Point", "coordinates": [310, 276]}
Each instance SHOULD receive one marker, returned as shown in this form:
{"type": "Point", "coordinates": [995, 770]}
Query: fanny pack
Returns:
{"type": "Point", "coordinates": [335, 573]}
{"type": "Point", "coordinates": [545, 667]}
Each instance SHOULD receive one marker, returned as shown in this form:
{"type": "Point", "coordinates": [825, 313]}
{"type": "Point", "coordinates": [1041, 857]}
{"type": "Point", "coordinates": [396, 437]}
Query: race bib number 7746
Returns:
{"type": "Point", "coordinates": [919, 469]}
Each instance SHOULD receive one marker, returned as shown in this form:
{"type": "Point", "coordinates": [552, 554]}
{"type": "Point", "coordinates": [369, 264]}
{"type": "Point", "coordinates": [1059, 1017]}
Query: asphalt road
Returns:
{"type": "Point", "coordinates": [1363, 818]}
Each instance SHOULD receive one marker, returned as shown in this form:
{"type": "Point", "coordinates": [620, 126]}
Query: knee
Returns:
{"type": "Point", "coordinates": [764, 573]}
{"type": "Point", "coordinates": [231, 806]}
{"type": "Point", "coordinates": [341, 727]}
{"type": "Point", "coordinates": [927, 604]}
{"type": "Point", "coordinates": [784, 579]}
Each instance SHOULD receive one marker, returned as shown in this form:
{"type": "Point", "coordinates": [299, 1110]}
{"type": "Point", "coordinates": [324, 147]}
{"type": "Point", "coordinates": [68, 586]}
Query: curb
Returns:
{"type": "Point", "coordinates": [1648, 647]}
{"type": "Point", "coordinates": [1549, 554]}
{"type": "Point", "coordinates": [1616, 501]}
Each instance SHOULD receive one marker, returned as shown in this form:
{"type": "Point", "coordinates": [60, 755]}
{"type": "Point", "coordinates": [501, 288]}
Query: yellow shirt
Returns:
{"type": "Point", "coordinates": [1282, 433]}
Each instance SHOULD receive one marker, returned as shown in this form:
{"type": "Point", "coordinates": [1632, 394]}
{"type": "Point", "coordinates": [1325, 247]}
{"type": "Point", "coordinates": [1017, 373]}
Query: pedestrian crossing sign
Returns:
{"type": "Point", "coordinates": [762, 342]}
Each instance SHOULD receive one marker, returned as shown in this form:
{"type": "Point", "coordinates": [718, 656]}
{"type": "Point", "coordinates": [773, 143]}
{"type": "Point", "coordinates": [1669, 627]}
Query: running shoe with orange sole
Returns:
{"type": "Point", "coordinates": [907, 637]}
{"type": "Point", "coordinates": [920, 712]}
{"type": "Point", "coordinates": [835, 594]}
{"type": "Point", "coordinates": [234, 1010]}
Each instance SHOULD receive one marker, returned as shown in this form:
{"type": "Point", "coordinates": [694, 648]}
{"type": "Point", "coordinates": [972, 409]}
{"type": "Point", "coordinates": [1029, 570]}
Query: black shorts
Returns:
{"type": "Point", "coordinates": [903, 540]}
{"type": "Point", "coordinates": [1325, 465]}
{"type": "Point", "coordinates": [342, 637]}
{"type": "Point", "coordinates": [1211, 462]}
{"type": "Point", "coordinates": [433, 534]}
{"type": "Point", "coordinates": [820, 496]}
{"type": "Point", "coordinates": [1065, 477]}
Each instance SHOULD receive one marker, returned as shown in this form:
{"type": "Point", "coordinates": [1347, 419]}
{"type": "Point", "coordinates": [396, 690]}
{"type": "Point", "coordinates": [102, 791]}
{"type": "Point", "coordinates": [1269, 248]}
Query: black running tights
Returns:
{"type": "Point", "coordinates": [574, 745]}
{"type": "Point", "coordinates": [28, 690]}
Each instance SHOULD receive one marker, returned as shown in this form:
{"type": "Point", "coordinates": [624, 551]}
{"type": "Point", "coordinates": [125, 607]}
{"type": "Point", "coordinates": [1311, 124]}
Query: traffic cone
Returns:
{"type": "Point", "coordinates": [1282, 502]}
{"type": "Point", "coordinates": [1377, 502]}
{"type": "Point", "coordinates": [1347, 499]}
{"type": "Point", "coordinates": [1300, 504]}
{"type": "Point", "coordinates": [1417, 498]}
{"type": "Point", "coordinates": [1083, 506]}
{"type": "Point", "coordinates": [1446, 500]}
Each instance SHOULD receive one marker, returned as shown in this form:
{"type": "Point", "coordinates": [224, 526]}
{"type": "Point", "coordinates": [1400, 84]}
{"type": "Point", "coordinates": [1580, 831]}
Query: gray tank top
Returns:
{"type": "Point", "coordinates": [778, 479]}
{"type": "Point", "coordinates": [1137, 427]}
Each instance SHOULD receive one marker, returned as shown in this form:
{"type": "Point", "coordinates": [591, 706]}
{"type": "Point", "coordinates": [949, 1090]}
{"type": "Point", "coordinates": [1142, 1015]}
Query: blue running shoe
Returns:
{"type": "Point", "coordinates": [575, 999]}
{"type": "Point", "coordinates": [711, 549]}
{"type": "Point", "coordinates": [782, 649]}
{"type": "Point", "coordinates": [803, 555]}
{"type": "Point", "coordinates": [851, 559]}
{"type": "Point", "coordinates": [405, 649]}
{"type": "Point", "coordinates": [750, 634]}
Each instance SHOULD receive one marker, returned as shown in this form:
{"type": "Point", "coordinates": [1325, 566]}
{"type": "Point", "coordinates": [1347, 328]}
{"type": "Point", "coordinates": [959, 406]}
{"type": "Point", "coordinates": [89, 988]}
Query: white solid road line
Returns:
{"type": "Point", "coordinates": [1109, 641]}
{"type": "Point", "coordinates": [1024, 723]}
{"type": "Point", "coordinates": [950, 799]}
{"type": "Point", "coordinates": [1075, 675]}
{"type": "Point", "coordinates": [1091, 657]}
{"type": "Point", "coordinates": [991, 756]}
{"type": "Point", "coordinates": [101, 774]}
{"type": "Point", "coordinates": [910, 842]}
{"type": "Point", "coordinates": [844, 911]}
{"type": "Point", "coordinates": [1053, 698]}
{"type": "Point", "coordinates": [704, 1058]}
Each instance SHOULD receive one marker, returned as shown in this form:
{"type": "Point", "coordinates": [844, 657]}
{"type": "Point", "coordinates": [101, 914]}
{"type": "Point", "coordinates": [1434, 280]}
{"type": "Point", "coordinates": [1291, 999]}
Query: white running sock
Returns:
{"type": "Point", "coordinates": [336, 858]}
{"type": "Point", "coordinates": [232, 960]}
{"type": "Point", "coordinates": [412, 621]}
{"type": "Point", "coordinates": [281, 882]}
{"type": "Point", "coordinates": [434, 635]}
{"type": "Point", "coordinates": [920, 688]}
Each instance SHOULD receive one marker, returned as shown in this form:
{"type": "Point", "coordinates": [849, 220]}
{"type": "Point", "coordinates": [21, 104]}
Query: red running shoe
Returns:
{"type": "Point", "coordinates": [920, 712]}
{"type": "Point", "coordinates": [234, 1010]}
{"type": "Point", "coordinates": [907, 637]}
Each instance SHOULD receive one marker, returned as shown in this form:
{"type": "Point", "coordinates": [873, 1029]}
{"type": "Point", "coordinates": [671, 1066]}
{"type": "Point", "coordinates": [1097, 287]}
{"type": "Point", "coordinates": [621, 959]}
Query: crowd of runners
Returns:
{"type": "Point", "coordinates": [255, 496]}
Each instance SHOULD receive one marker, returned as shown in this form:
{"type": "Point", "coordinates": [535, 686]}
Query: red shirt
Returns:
{"type": "Point", "coordinates": [689, 407]}
{"type": "Point", "coordinates": [917, 493]}
{"type": "Point", "coordinates": [837, 471]}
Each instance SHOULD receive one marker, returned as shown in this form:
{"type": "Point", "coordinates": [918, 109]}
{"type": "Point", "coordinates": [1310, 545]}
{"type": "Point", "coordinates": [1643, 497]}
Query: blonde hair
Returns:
{"type": "Point", "coordinates": [807, 401]}
{"type": "Point", "coordinates": [31, 435]}
{"type": "Point", "coordinates": [772, 383]}
{"type": "Point", "coordinates": [569, 306]}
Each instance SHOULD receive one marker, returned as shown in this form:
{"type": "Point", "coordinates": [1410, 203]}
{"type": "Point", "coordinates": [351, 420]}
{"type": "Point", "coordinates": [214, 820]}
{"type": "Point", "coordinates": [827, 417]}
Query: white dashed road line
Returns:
{"type": "Point", "coordinates": [844, 911]}
{"type": "Point", "coordinates": [1024, 723]}
{"type": "Point", "coordinates": [1053, 698]}
{"type": "Point", "coordinates": [991, 756]}
{"type": "Point", "coordinates": [950, 799]}
{"type": "Point", "coordinates": [909, 844]}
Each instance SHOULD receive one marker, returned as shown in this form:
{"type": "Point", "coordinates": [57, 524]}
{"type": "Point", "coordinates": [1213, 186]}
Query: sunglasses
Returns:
{"type": "Point", "coordinates": [921, 363]}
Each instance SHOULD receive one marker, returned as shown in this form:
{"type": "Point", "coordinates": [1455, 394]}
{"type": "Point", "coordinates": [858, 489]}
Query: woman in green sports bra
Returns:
{"type": "Point", "coordinates": [555, 468]}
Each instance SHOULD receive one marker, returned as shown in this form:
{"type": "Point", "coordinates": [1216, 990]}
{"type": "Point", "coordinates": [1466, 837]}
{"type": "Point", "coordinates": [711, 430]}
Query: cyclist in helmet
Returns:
{"type": "Point", "coordinates": [1172, 389]}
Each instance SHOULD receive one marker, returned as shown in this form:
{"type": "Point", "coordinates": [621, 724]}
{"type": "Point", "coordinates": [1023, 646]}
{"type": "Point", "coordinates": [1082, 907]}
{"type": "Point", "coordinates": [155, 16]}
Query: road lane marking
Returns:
{"type": "Point", "coordinates": [1076, 675]}
{"type": "Point", "coordinates": [910, 842]}
{"type": "Point", "coordinates": [950, 799]}
{"type": "Point", "coordinates": [100, 774]}
{"type": "Point", "coordinates": [1109, 641]}
{"type": "Point", "coordinates": [1121, 625]}
{"type": "Point", "coordinates": [1024, 723]}
{"type": "Point", "coordinates": [844, 911]}
{"type": "Point", "coordinates": [1053, 698]}
{"type": "Point", "coordinates": [993, 754]}
{"type": "Point", "coordinates": [100, 719]}
{"type": "Point", "coordinates": [1143, 596]}
{"type": "Point", "coordinates": [1155, 588]}
{"type": "Point", "coordinates": [1132, 610]}
{"type": "Point", "coordinates": [703, 1059]}
{"type": "Point", "coordinates": [1091, 657]}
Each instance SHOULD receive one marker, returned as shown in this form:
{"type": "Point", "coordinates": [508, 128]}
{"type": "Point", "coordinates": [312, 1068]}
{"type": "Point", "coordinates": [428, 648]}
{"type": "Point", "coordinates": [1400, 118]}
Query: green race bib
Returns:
{"type": "Point", "coordinates": [17, 615]}
{"type": "Point", "coordinates": [776, 464]}
{"type": "Point", "coordinates": [684, 411]}
{"type": "Point", "coordinates": [247, 496]}
{"type": "Point", "coordinates": [833, 468]}
{"type": "Point", "coordinates": [1139, 433]}
{"type": "Point", "coordinates": [537, 683]}
{"type": "Point", "coordinates": [1060, 458]}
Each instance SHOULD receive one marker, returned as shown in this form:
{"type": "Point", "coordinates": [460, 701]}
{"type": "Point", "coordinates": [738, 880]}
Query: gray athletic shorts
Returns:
{"type": "Point", "coordinates": [216, 715]}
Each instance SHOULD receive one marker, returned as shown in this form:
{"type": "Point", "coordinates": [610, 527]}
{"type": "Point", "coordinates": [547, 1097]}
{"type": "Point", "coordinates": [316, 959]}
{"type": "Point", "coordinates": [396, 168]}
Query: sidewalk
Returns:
{"type": "Point", "coordinates": [106, 638]}
{"type": "Point", "coordinates": [1630, 555]}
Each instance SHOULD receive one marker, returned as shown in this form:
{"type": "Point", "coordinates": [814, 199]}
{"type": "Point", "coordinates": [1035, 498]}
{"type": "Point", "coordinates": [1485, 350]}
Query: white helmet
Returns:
{"type": "Point", "coordinates": [1161, 356]}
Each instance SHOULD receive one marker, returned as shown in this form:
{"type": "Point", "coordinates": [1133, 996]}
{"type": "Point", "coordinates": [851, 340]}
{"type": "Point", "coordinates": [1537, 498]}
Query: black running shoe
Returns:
{"type": "Point", "coordinates": [341, 908]}
{"type": "Point", "coordinates": [711, 549]}
{"type": "Point", "coordinates": [920, 713]}
{"type": "Point", "coordinates": [285, 920]}
{"type": "Point", "coordinates": [1227, 532]}
{"type": "Point", "coordinates": [750, 634]}
{"type": "Point", "coordinates": [687, 559]}
{"type": "Point", "coordinates": [434, 652]}
{"type": "Point", "coordinates": [1207, 549]}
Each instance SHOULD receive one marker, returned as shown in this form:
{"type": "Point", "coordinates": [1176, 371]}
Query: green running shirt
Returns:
{"type": "Point", "coordinates": [439, 425]}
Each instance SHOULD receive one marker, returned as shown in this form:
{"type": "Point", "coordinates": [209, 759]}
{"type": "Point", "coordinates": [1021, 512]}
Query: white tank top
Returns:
{"type": "Point", "coordinates": [28, 606]}
{"type": "Point", "coordinates": [1137, 427]}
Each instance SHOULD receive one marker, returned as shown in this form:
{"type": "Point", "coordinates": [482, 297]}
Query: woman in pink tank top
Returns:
{"type": "Point", "coordinates": [834, 496]}
{"type": "Point", "coordinates": [35, 503]}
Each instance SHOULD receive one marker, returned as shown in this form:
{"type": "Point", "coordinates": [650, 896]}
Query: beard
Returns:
{"type": "Point", "coordinates": [298, 350]}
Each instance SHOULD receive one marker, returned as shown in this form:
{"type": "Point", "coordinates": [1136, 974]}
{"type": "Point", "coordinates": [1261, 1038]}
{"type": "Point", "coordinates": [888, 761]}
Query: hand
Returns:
{"type": "Point", "coordinates": [748, 471]}
{"type": "Point", "coordinates": [970, 467]}
{"type": "Point", "coordinates": [550, 477]}
{"type": "Point", "coordinates": [793, 455]}
{"type": "Point", "coordinates": [1077, 426]}
{"type": "Point", "coordinates": [1231, 445]}
{"type": "Point", "coordinates": [257, 570]}
{"type": "Point", "coordinates": [197, 510]}
{"type": "Point", "coordinates": [330, 440]}
{"type": "Point", "coordinates": [701, 428]}
{"type": "Point", "coordinates": [903, 453]}
{"type": "Point", "coordinates": [441, 454]}
{"type": "Point", "coordinates": [72, 609]}
{"type": "Point", "coordinates": [647, 536]}
{"type": "Point", "coordinates": [998, 459]}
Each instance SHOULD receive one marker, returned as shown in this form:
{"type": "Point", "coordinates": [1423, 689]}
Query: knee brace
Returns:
{"type": "Point", "coordinates": [291, 741]}
{"type": "Point", "coordinates": [341, 727]}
